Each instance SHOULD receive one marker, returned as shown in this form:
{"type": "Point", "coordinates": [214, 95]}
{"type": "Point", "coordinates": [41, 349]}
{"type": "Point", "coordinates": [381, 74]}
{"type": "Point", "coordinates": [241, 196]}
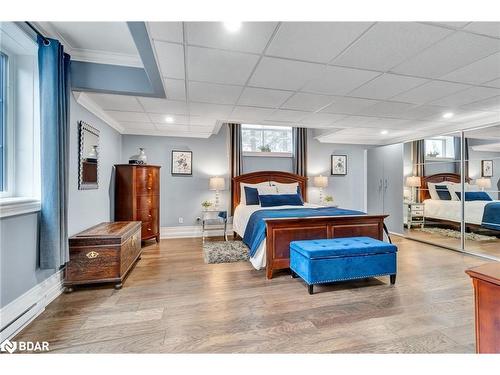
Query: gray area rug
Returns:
{"type": "Point", "coordinates": [456, 234]}
{"type": "Point", "coordinates": [224, 251]}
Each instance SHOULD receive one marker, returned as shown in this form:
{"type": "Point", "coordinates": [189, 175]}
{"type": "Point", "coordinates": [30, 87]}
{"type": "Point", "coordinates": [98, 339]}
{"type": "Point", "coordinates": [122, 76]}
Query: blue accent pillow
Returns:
{"type": "Point", "coordinates": [474, 196]}
{"type": "Point", "coordinates": [251, 196]}
{"type": "Point", "coordinates": [281, 200]}
{"type": "Point", "coordinates": [443, 192]}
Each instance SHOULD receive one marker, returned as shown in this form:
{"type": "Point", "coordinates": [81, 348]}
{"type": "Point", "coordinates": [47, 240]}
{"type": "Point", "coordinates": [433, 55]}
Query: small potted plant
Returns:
{"type": "Point", "coordinates": [328, 200]}
{"type": "Point", "coordinates": [206, 205]}
{"type": "Point", "coordinates": [265, 148]}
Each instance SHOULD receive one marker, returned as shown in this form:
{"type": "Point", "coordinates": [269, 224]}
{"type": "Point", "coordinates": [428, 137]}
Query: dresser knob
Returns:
{"type": "Point", "coordinates": [149, 188]}
{"type": "Point", "coordinates": [149, 201]}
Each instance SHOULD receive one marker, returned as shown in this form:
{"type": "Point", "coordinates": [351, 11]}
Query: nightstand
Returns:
{"type": "Point", "coordinates": [414, 214]}
{"type": "Point", "coordinates": [213, 220]}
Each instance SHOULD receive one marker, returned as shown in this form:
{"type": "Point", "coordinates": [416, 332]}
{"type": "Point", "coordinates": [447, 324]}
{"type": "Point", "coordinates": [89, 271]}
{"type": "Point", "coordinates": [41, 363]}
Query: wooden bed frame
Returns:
{"type": "Point", "coordinates": [280, 232]}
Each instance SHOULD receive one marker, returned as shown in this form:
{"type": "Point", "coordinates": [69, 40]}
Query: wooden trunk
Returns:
{"type": "Point", "coordinates": [486, 281]}
{"type": "Point", "coordinates": [137, 197]}
{"type": "Point", "coordinates": [103, 253]}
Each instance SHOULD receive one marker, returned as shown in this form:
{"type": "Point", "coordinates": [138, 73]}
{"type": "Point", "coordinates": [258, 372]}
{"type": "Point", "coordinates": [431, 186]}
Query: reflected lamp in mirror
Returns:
{"type": "Point", "coordinates": [413, 182]}
{"type": "Point", "coordinates": [483, 183]}
{"type": "Point", "coordinates": [320, 182]}
{"type": "Point", "coordinates": [217, 184]}
{"type": "Point", "coordinates": [88, 157]}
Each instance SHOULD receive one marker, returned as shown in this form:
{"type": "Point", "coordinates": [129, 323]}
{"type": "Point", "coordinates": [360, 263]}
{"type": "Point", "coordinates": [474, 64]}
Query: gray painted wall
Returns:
{"type": "Point", "coordinates": [181, 196]}
{"type": "Point", "coordinates": [260, 163]}
{"type": "Point", "coordinates": [19, 234]}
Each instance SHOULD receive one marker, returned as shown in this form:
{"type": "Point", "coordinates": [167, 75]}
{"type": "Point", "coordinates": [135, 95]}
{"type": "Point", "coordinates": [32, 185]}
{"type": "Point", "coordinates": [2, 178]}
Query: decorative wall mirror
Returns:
{"type": "Point", "coordinates": [88, 157]}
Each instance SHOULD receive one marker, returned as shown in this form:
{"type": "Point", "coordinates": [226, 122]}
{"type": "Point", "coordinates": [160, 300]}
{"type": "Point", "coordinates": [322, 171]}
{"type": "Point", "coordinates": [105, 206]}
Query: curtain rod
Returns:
{"type": "Point", "coordinates": [45, 40]}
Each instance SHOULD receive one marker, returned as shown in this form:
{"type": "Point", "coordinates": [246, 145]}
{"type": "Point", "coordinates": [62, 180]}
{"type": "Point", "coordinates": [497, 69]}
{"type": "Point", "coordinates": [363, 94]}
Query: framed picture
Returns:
{"type": "Point", "coordinates": [182, 163]}
{"type": "Point", "coordinates": [339, 165]}
{"type": "Point", "coordinates": [486, 168]}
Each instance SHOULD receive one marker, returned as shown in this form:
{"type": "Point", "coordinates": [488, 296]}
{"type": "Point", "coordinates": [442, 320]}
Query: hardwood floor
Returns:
{"type": "Point", "coordinates": [173, 302]}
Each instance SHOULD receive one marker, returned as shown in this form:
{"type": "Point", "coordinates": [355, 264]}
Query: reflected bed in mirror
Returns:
{"type": "Point", "coordinates": [88, 157]}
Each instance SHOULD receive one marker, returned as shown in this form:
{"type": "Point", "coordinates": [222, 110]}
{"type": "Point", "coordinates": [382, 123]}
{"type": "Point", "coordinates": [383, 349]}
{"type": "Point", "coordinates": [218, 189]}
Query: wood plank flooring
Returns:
{"type": "Point", "coordinates": [173, 302]}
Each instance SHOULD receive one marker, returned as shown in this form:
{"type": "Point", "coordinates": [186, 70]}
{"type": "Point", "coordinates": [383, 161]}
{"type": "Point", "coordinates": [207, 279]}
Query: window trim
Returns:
{"type": "Point", "coordinates": [8, 128]}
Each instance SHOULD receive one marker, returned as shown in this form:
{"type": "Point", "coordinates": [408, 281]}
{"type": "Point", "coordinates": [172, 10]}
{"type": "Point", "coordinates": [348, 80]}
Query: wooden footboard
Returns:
{"type": "Point", "coordinates": [280, 232]}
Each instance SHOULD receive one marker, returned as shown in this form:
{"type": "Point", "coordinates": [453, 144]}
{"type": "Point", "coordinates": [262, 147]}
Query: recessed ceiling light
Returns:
{"type": "Point", "coordinates": [169, 119]}
{"type": "Point", "coordinates": [448, 115]}
{"type": "Point", "coordinates": [232, 26]}
{"type": "Point", "coordinates": [384, 132]}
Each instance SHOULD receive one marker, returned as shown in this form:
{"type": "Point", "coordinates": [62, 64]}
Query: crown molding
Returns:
{"type": "Point", "coordinates": [85, 101]}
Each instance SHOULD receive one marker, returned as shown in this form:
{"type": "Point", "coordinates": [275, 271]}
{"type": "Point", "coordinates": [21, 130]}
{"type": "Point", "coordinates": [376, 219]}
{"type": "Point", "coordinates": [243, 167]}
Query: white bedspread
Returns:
{"type": "Point", "coordinates": [241, 216]}
{"type": "Point", "coordinates": [451, 210]}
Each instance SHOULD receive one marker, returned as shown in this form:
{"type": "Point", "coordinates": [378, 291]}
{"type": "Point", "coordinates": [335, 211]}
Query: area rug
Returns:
{"type": "Point", "coordinates": [224, 251]}
{"type": "Point", "coordinates": [456, 234]}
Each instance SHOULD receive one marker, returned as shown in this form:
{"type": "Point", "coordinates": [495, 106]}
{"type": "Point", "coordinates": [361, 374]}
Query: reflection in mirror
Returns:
{"type": "Point", "coordinates": [482, 200]}
{"type": "Point", "coordinates": [432, 171]}
{"type": "Point", "coordinates": [88, 156]}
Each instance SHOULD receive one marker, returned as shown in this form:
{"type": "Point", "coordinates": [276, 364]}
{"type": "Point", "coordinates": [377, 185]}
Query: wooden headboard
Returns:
{"type": "Point", "coordinates": [263, 176]}
{"type": "Point", "coordinates": [436, 179]}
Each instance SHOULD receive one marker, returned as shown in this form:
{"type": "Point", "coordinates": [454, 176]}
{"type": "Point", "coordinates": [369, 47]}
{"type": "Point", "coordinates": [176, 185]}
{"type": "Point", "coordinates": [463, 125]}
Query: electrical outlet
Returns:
{"type": "Point", "coordinates": [181, 220]}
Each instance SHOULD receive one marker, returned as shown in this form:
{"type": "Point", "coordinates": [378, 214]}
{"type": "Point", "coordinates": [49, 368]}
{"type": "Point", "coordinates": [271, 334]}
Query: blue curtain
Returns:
{"type": "Point", "coordinates": [53, 66]}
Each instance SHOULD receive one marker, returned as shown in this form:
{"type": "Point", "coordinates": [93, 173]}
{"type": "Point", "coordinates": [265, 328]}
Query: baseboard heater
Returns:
{"type": "Point", "coordinates": [15, 325]}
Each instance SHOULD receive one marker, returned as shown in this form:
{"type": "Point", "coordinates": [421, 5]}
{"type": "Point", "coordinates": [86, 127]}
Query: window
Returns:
{"type": "Point", "coordinates": [442, 147]}
{"type": "Point", "coordinates": [266, 140]}
{"type": "Point", "coordinates": [3, 114]}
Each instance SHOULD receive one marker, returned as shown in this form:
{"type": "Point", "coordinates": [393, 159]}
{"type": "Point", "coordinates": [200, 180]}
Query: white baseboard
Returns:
{"type": "Point", "coordinates": [20, 312]}
{"type": "Point", "coordinates": [190, 231]}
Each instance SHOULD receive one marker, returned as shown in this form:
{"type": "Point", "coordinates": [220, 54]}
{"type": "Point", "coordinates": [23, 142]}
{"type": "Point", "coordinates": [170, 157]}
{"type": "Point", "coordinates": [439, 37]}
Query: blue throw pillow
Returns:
{"type": "Point", "coordinates": [443, 192]}
{"type": "Point", "coordinates": [251, 196]}
{"type": "Point", "coordinates": [281, 200]}
{"type": "Point", "coordinates": [474, 196]}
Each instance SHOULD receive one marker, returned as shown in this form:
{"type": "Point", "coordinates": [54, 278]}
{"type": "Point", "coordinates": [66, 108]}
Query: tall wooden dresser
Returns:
{"type": "Point", "coordinates": [137, 197]}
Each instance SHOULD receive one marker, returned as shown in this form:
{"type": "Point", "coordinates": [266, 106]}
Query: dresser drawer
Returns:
{"type": "Point", "coordinates": [417, 213]}
{"type": "Point", "coordinates": [146, 202]}
{"type": "Point", "coordinates": [147, 181]}
{"type": "Point", "coordinates": [149, 229]}
{"type": "Point", "coordinates": [146, 215]}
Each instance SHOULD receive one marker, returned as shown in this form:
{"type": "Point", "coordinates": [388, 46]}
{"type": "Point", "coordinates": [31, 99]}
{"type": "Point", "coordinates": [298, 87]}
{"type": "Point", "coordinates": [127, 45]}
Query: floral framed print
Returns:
{"type": "Point", "coordinates": [486, 168]}
{"type": "Point", "coordinates": [339, 165]}
{"type": "Point", "coordinates": [182, 163]}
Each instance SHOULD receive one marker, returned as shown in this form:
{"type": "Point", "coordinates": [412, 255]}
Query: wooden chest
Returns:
{"type": "Point", "coordinates": [137, 197]}
{"type": "Point", "coordinates": [103, 253]}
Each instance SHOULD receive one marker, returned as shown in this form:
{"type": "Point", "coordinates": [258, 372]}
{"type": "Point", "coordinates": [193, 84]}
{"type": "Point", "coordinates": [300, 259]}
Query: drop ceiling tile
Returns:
{"type": "Point", "coordinates": [386, 86]}
{"type": "Point", "coordinates": [170, 58]}
{"type": "Point", "coordinates": [128, 125]}
{"type": "Point", "coordinates": [213, 93]}
{"type": "Point", "coordinates": [388, 44]}
{"type": "Point", "coordinates": [250, 114]}
{"type": "Point", "coordinates": [116, 102]}
{"type": "Point", "coordinates": [451, 53]}
{"type": "Point", "coordinates": [429, 91]}
{"type": "Point", "coordinates": [129, 116]}
{"type": "Point", "coordinates": [155, 105]}
{"type": "Point", "coordinates": [202, 121]}
{"type": "Point", "coordinates": [175, 89]}
{"type": "Point", "coordinates": [423, 112]}
{"type": "Point", "coordinates": [174, 127]}
{"type": "Point", "coordinates": [387, 109]}
{"type": "Point", "coordinates": [468, 96]}
{"type": "Point", "coordinates": [490, 104]}
{"type": "Point", "coordinates": [321, 119]}
{"type": "Point", "coordinates": [160, 118]}
{"type": "Point", "coordinates": [454, 25]}
{"type": "Point", "coordinates": [339, 81]}
{"type": "Point", "coordinates": [166, 31]}
{"type": "Point", "coordinates": [218, 66]}
{"type": "Point", "coordinates": [287, 115]}
{"type": "Point", "coordinates": [314, 41]}
{"type": "Point", "coordinates": [210, 110]}
{"type": "Point", "coordinates": [284, 74]}
{"type": "Point", "coordinates": [494, 83]}
{"type": "Point", "coordinates": [485, 28]}
{"type": "Point", "coordinates": [478, 72]}
{"type": "Point", "coordinates": [307, 102]}
{"type": "Point", "coordinates": [252, 37]}
{"type": "Point", "coordinates": [348, 105]}
{"type": "Point", "coordinates": [263, 97]}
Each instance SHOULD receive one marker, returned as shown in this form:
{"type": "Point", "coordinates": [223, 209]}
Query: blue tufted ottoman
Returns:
{"type": "Point", "coordinates": [337, 259]}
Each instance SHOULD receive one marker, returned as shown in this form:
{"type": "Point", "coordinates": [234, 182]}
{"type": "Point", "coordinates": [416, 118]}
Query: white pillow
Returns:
{"type": "Point", "coordinates": [455, 187]}
{"type": "Point", "coordinates": [267, 190]}
{"type": "Point", "coordinates": [432, 189]}
{"type": "Point", "coordinates": [243, 197]}
{"type": "Point", "coordinates": [290, 188]}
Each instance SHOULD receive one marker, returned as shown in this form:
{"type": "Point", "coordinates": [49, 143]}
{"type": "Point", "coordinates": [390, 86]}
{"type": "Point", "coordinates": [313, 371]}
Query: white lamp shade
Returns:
{"type": "Point", "coordinates": [320, 181]}
{"type": "Point", "coordinates": [216, 183]}
{"type": "Point", "coordinates": [483, 182]}
{"type": "Point", "coordinates": [413, 181]}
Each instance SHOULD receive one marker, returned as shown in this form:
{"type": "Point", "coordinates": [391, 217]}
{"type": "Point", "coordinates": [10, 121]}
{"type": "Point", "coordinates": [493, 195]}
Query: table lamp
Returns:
{"type": "Point", "coordinates": [414, 182]}
{"type": "Point", "coordinates": [217, 184]}
{"type": "Point", "coordinates": [321, 182]}
{"type": "Point", "coordinates": [483, 183]}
